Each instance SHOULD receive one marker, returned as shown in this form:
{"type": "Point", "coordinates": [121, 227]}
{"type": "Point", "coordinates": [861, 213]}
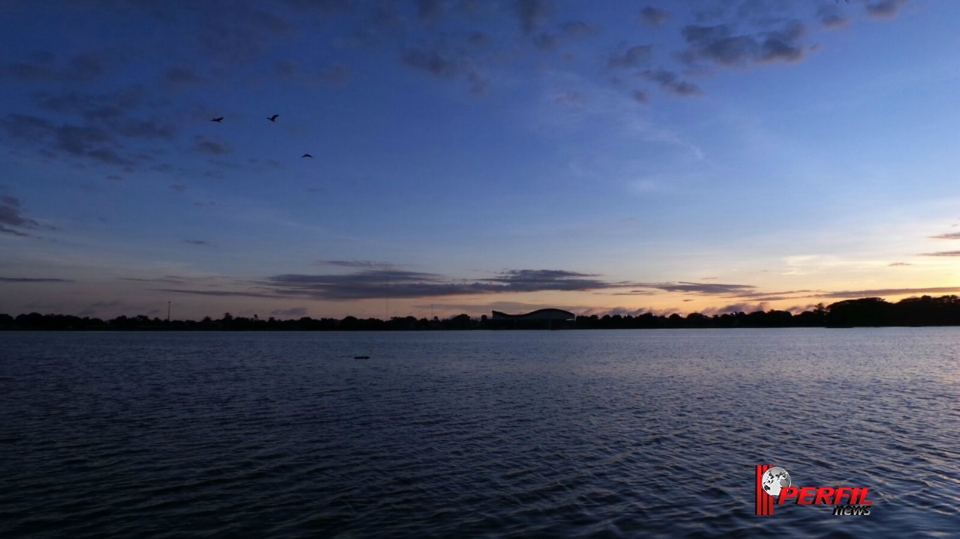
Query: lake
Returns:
{"type": "Point", "coordinates": [608, 434]}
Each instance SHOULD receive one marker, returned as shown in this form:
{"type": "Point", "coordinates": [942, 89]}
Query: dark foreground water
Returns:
{"type": "Point", "coordinates": [475, 434]}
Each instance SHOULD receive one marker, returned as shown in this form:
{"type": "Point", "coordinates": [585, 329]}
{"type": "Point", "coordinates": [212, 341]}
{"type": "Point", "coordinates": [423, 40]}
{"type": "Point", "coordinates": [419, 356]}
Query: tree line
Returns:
{"type": "Point", "coordinates": [864, 312]}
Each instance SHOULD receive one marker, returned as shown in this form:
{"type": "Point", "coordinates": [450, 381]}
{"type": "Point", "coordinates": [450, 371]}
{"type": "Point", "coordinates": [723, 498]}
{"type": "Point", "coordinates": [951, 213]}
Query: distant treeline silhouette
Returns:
{"type": "Point", "coordinates": [875, 312]}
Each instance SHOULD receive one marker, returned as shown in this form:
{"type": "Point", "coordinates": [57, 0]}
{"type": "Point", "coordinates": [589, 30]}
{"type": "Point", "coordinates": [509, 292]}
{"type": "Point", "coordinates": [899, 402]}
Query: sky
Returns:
{"type": "Point", "coordinates": [469, 155]}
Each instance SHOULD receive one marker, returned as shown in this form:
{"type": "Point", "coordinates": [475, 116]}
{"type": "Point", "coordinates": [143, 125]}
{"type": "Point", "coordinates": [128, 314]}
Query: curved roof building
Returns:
{"type": "Point", "coordinates": [541, 314]}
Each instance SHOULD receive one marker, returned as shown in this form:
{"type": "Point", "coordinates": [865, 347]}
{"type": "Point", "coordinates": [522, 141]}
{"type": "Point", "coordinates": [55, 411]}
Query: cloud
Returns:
{"type": "Point", "coordinates": [27, 128]}
{"type": "Point", "coordinates": [10, 216]}
{"type": "Point", "coordinates": [429, 11]}
{"type": "Point", "coordinates": [568, 31]}
{"type": "Point", "coordinates": [32, 280]}
{"type": "Point", "coordinates": [720, 45]}
{"type": "Point", "coordinates": [79, 140]}
{"type": "Point", "coordinates": [653, 16]}
{"type": "Point", "coordinates": [900, 264]}
{"type": "Point", "coordinates": [237, 33]}
{"type": "Point", "coordinates": [295, 312]}
{"type": "Point", "coordinates": [538, 280]}
{"type": "Point", "coordinates": [531, 13]}
{"type": "Point", "coordinates": [774, 296]}
{"type": "Point", "coordinates": [178, 188]}
{"type": "Point", "coordinates": [443, 63]}
{"type": "Point", "coordinates": [42, 67]}
{"type": "Point", "coordinates": [106, 155]}
{"type": "Point", "coordinates": [12, 232]}
{"type": "Point", "coordinates": [209, 146]}
{"type": "Point", "coordinates": [635, 56]}
{"type": "Point", "coordinates": [640, 97]}
{"type": "Point", "coordinates": [199, 243]}
{"type": "Point", "coordinates": [635, 293]}
{"type": "Point", "coordinates": [700, 288]}
{"type": "Point", "coordinates": [378, 280]}
{"type": "Point", "coordinates": [326, 6]}
{"type": "Point", "coordinates": [431, 61]}
{"type": "Point", "coordinates": [217, 293]}
{"type": "Point", "coordinates": [884, 9]}
{"type": "Point", "coordinates": [942, 253]}
{"type": "Point", "coordinates": [104, 124]}
{"type": "Point", "coordinates": [888, 292]}
{"type": "Point", "coordinates": [336, 75]}
{"type": "Point", "coordinates": [369, 284]}
{"type": "Point", "coordinates": [394, 283]}
{"type": "Point", "coordinates": [947, 236]}
{"type": "Point", "coordinates": [169, 279]}
{"type": "Point", "coordinates": [93, 107]}
{"type": "Point", "coordinates": [570, 99]}
{"type": "Point", "coordinates": [671, 83]}
{"type": "Point", "coordinates": [830, 17]}
{"type": "Point", "coordinates": [365, 264]}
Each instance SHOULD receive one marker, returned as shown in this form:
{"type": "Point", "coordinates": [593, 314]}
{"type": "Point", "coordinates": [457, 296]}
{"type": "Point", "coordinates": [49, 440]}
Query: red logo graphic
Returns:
{"type": "Point", "coordinates": [775, 481]}
{"type": "Point", "coordinates": [764, 500]}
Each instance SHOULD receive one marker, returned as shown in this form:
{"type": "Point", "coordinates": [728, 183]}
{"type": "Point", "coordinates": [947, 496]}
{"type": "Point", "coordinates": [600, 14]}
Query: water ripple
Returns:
{"type": "Point", "coordinates": [475, 434]}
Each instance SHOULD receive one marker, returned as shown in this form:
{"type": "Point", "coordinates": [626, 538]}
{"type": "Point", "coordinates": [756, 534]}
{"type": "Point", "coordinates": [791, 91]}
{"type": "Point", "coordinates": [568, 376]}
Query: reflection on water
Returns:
{"type": "Point", "coordinates": [475, 434]}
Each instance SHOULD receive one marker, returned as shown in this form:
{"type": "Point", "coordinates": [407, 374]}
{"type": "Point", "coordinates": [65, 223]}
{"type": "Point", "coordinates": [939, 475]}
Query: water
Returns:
{"type": "Point", "coordinates": [475, 434]}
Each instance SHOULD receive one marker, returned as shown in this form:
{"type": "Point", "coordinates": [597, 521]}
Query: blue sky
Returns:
{"type": "Point", "coordinates": [475, 155]}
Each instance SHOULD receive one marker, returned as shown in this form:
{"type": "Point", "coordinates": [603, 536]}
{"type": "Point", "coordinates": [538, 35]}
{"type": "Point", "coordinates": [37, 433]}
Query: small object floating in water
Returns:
{"type": "Point", "coordinates": [361, 357]}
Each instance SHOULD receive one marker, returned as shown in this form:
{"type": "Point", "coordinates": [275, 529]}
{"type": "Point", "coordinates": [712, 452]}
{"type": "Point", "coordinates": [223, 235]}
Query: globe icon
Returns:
{"type": "Point", "coordinates": [774, 479]}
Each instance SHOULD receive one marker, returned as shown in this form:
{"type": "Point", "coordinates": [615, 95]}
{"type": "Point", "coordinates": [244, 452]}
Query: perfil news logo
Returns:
{"type": "Point", "coordinates": [775, 481]}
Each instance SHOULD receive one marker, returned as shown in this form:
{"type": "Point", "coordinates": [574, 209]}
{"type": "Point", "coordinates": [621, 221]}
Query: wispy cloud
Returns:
{"type": "Point", "coordinates": [32, 280]}
{"type": "Point", "coordinates": [364, 264]}
{"type": "Point", "coordinates": [942, 253]}
{"type": "Point", "coordinates": [701, 288]}
{"type": "Point", "coordinates": [531, 13]}
{"type": "Point", "coordinates": [635, 56]}
{"type": "Point", "coordinates": [670, 82]}
{"type": "Point", "coordinates": [210, 146]}
{"type": "Point", "coordinates": [845, 294]}
{"type": "Point", "coordinates": [181, 76]}
{"type": "Point", "coordinates": [11, 216]}
{"type": "Point", "coordinates": [654, 16]}
{"type": "Point", "coordinates": [44, 67]}
{"type": "Point", "coordinates": [722, 45]}
{"type": "Point", "coordinates": [884, 9]}
{"type": "Point", "coordinates": [568, 31]}
{"type": "Point", "coordinates": [831, 17]}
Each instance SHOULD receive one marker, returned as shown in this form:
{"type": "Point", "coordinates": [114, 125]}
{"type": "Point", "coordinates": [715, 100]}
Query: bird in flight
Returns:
{"type": "Point", "coordinates": [218, 120]}
{"type": "Point", "coordinates": [273, 118]}
{"type": "Point", "coordinates": [307, 155]}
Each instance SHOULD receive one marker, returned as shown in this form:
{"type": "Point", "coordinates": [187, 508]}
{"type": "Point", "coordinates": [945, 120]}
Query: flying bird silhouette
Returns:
{"type": "Point", "coordinates": [307, 155]}
{"type": "Point", "coordinates": [218, 120]}
{"type": "Point", "coordinates": [273, 118]}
